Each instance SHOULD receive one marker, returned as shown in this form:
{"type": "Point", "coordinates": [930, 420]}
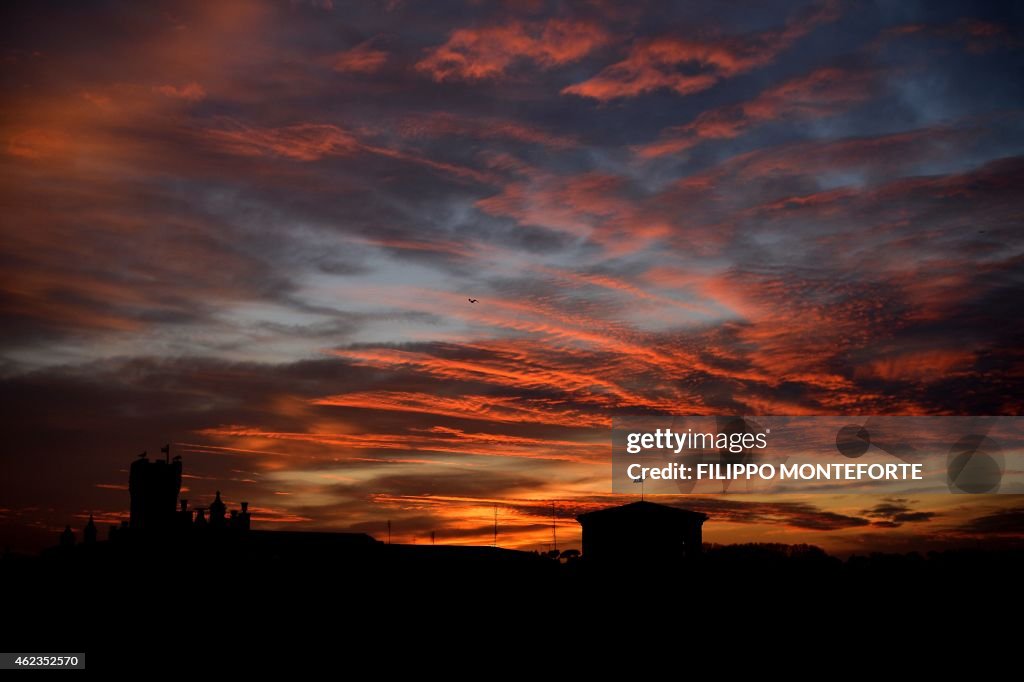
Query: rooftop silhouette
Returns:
{"type": "Point", "coordinates": [655, 532]}
{"type": "Point", "coordinates": [638, 532]}
{"type": "Point", "coordinates": [641, 539]}
{"type": "Point", "coordinates": [161, 523]}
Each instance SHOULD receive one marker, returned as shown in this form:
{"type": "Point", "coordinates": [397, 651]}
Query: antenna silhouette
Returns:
{"type": "Point", "coordinates": [495, 526]}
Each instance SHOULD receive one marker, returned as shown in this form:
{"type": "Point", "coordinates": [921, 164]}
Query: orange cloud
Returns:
{"type": "Point", "coordinates": [437, 439]}
{"type": "Point", "coordinates": [654, 64]}
{"type": "Point", "coordinates": [503, 409]}
{"type": "Point", "coordinates": [482, 53]}
{"type": "Point", "coordinates": [926, 365]}
{"type": "Point", "coordinates": [509, 365]}
{"type": "Point", "coordinates": [270, 515]}
{"type": "Point", "coordinates": [781, 334]}
{"type": "Point", "coordinates": [362, 58]}
{"type": "Point", "coordinates": [39, 143]}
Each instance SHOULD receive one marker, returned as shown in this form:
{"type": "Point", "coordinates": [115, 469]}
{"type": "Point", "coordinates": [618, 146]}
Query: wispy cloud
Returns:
{"type": "Point", "coordinates": [658, 63]}
{"type": "Point", "coordinates": [489, 51]}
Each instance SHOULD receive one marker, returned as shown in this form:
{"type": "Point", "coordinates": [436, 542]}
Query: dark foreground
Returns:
{"type": "Point", "coordinates": [148, 608]}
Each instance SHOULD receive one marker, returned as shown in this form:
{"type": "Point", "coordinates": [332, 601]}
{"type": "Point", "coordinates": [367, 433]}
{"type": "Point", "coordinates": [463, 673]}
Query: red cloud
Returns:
{"type": "Point", "coordinates": [39, 143]}
{"type": "Point", "coordinates": [363, 58]}
{"type": "Point", "coordinates": [494, 408]}
{"type": "Point", "coordinates": [302, 142]}
{"type": "Point", "coordinates": [651, 66]}
{"type": "Point", "coordinates": [823, 92]}
{"type": "Point", "coordinates": [654, 64]}
{"type": "Point", "coordinates": [438, 439]}
{"type": "Point", "coordinates": [480, 53]}
{"type": "Point", "coordinates": [314, 141]}
{"type": "Point", "coordinates": [924, 365]}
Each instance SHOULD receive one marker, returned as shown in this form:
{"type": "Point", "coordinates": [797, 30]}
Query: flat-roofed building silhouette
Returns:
{"type": "Point", "coordinates": [640, 532]}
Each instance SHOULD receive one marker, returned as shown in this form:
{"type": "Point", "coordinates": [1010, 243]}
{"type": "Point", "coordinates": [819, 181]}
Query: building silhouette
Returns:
{"type": "Point", "coordinates": [161, 525]}
{"type": "Point", "coordinates": [154, 488]}
{"type": "Point", "coordinates": [641, 532]}
{"type": "Point", "coordinates": [161, 529]}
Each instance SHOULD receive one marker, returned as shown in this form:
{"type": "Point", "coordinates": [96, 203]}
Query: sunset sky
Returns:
{"type": "Point", "coordinates": [251, 229]}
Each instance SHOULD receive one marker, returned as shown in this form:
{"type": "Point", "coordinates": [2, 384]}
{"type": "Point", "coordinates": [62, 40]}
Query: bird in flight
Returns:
{"type": "Point", "coordinates": [472, 300]}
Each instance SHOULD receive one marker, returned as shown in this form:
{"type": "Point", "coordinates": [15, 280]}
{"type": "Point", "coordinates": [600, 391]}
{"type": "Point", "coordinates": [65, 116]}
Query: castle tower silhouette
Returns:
{"type": "Point", "coordinates": [154, 488]}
